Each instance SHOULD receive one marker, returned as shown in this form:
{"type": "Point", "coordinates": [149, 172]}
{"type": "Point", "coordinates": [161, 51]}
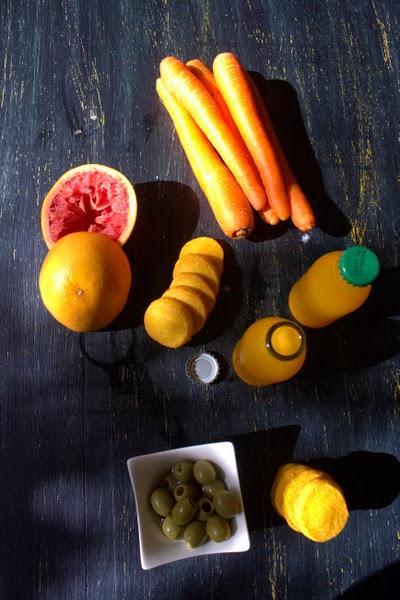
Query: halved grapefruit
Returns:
{"type": "Point", "coordinates": [92, 198]}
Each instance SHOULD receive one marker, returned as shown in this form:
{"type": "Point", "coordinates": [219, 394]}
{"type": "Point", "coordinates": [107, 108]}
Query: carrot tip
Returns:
{"type": "Point", "coordinates": [305, 226]}
{"type": "Point", "coordinates": [269, 216]}
{"type": "Point", "coordinates": [241, 233]}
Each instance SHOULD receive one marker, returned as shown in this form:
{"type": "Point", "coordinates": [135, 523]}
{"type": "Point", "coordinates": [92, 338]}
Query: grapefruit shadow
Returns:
{"type": "Point", "coordinates": [168, 212]}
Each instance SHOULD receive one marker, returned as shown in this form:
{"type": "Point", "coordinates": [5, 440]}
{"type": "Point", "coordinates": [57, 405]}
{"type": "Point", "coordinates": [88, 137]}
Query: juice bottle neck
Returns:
{"type": "Point", "coordinates": [285, 340]}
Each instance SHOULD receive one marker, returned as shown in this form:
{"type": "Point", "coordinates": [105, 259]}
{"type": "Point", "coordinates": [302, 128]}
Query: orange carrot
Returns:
{"type": "Point", "coordinates": [233, 83]}
{"type": "Point", "coordinates": [227, 200]}
{"type": "Point", "coordinates": [269, 216]}
{"type": "Point", "coordinates": [194, 97]}
{"type": "Point", "coordinates": [205, 75]}
{"type": "Point", "coordinates": [301, 212]}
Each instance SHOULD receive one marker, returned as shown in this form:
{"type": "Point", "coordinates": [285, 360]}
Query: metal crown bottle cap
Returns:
{"type": "Point", "coordinates": [359, 265]}
{"type": "Point", "coordinates": [202, 368]}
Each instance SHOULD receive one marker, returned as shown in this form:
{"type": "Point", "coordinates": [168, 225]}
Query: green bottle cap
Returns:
{"type": "Point", "coordinates": [359, 265]}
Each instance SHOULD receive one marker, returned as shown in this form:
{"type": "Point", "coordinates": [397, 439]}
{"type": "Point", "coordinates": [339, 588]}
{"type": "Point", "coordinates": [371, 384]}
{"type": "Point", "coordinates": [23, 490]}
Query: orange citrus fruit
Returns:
{"type": "Point", "coordinates": [92, 198]}
{"type": "Point", "coordinates": [85, 280]}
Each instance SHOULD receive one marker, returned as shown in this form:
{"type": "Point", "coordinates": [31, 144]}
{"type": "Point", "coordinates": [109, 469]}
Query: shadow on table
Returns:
{"type": "Point", "coordinates": [168, 213]}
{"type": "Point", "coordinates": [128, 374]}
{"type": "Point", "coordinates": [36, 523]}
{"type": "Point", "coordinates": [369, 480]}
{"type": "Point", "coordinates": [281, 102]}
{"type": "Point", "coordinates": [379, 585]}
{"type": "Point", "coordinates": [263, 232]}
{"type": "Point", "coordinates": [220, 320]}
{"type": "Point", "coordinates": [229, 301]}
{"type": "Point", "coordinates": [365, 338]}
{"type": "Point", "coordinates": [259, 456]}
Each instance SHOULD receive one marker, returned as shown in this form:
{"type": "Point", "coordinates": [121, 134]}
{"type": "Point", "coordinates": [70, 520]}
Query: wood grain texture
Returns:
{"type": "Point", "coordinates": [77, 85]}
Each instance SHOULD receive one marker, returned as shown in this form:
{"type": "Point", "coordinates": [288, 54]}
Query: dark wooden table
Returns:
{"type": "Point", "coordinates": [77, 85]}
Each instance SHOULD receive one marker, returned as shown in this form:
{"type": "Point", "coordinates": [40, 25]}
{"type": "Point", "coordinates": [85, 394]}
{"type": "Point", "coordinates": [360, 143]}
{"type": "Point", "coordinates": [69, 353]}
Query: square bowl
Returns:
{"type": "Point", "coordinates": [147, 470]}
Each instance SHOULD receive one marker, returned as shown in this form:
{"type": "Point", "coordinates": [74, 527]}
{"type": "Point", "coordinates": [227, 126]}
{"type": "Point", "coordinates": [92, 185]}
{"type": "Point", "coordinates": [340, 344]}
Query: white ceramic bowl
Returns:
{"type": "Point", "coordinates": [147, 470]}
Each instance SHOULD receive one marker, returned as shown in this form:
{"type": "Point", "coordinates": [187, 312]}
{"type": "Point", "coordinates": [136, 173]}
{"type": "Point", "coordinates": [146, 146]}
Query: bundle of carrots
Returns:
{"type": "Point", "coordinates": [231, 145]}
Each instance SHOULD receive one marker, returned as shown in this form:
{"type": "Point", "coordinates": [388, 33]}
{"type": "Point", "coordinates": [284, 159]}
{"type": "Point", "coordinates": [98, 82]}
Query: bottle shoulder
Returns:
{"type": "Point", "coordinates": [331, 258]}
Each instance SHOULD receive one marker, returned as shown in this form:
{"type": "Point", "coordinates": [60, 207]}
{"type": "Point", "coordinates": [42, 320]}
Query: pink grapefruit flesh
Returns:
{"type": "Point", "coordinates": [89, 198]}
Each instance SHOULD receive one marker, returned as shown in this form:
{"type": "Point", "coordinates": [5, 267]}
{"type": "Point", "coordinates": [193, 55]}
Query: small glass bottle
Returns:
{"type": "Point", "coordinates": [335, 285]}
{"type": "Point", "coordinates": [271, 350]}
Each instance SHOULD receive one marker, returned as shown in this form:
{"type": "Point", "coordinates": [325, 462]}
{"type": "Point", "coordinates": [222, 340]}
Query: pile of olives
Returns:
{"type": "Point", "coordinates": [194, 504]}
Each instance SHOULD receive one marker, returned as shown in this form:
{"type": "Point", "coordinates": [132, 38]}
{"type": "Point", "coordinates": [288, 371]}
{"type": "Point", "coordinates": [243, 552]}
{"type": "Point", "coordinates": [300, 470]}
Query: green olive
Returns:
{"type": "Point", "coordinates": [184, 511]}
{"type": "Point", "coordinates": [170, 529]}
{"type": "Point", "coordinates": [210, 488]}
{"type": "Point", "coordinates": [218, 529]}
{"type": "Point", "coordinates": [183, 471]}
{"type": "Point", "coordinates": [226, 504]}
{"type": "Point", "coordinates": [169, 481]}
{"type": "Point", "coordinates": [195, 534]}
{"type": "Point", "coordinates": [204, 472]}
{"type": "Point", "coordinates": [162, 501]}
{"type": "Point", "coordinates": [206, 509]}
{"type": "Point", "coordinates": [186, 490]}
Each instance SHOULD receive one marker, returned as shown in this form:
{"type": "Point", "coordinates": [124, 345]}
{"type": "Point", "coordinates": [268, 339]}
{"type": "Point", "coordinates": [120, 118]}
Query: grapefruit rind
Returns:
{"type": "Point", "coordinates": [89, 210]}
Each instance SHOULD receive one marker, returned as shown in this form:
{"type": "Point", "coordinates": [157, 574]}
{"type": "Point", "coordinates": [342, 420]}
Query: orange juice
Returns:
{"type": "Point", "coordinates": [271, 350]}
{"type": "Point", "coordinates": [335, 285]}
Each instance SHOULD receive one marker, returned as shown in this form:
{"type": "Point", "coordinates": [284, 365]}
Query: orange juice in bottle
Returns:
{"type": "Point", "coordinates": [335, 285]}
{"type": "Point", "coordinates": [271, 350]}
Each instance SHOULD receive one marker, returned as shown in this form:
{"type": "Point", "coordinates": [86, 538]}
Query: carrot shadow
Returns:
{"type": "Point", "coordinates": [168, 212]}
{"type": "Point", "coordinates": [263, 232]}
{"type": "Point", "coordinates": [281, 102]}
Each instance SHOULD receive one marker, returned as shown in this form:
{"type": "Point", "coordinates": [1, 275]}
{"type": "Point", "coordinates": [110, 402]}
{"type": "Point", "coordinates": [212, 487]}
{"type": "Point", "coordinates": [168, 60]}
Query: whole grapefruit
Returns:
{"type": "Point", "coordinates": [92, 198]}
{"type": "Point", "coordinates": [85, 280]}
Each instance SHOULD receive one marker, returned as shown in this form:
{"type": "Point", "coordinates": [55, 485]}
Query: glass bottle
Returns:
{"type": "Point", "coordinates": [271, 350]}
{"type": "Point", "coordinates": [335, 285]}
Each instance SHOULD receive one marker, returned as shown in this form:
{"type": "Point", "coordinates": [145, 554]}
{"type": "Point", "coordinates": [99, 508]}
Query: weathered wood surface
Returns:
{"type": "Point", "coordinates": [77, 85]}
